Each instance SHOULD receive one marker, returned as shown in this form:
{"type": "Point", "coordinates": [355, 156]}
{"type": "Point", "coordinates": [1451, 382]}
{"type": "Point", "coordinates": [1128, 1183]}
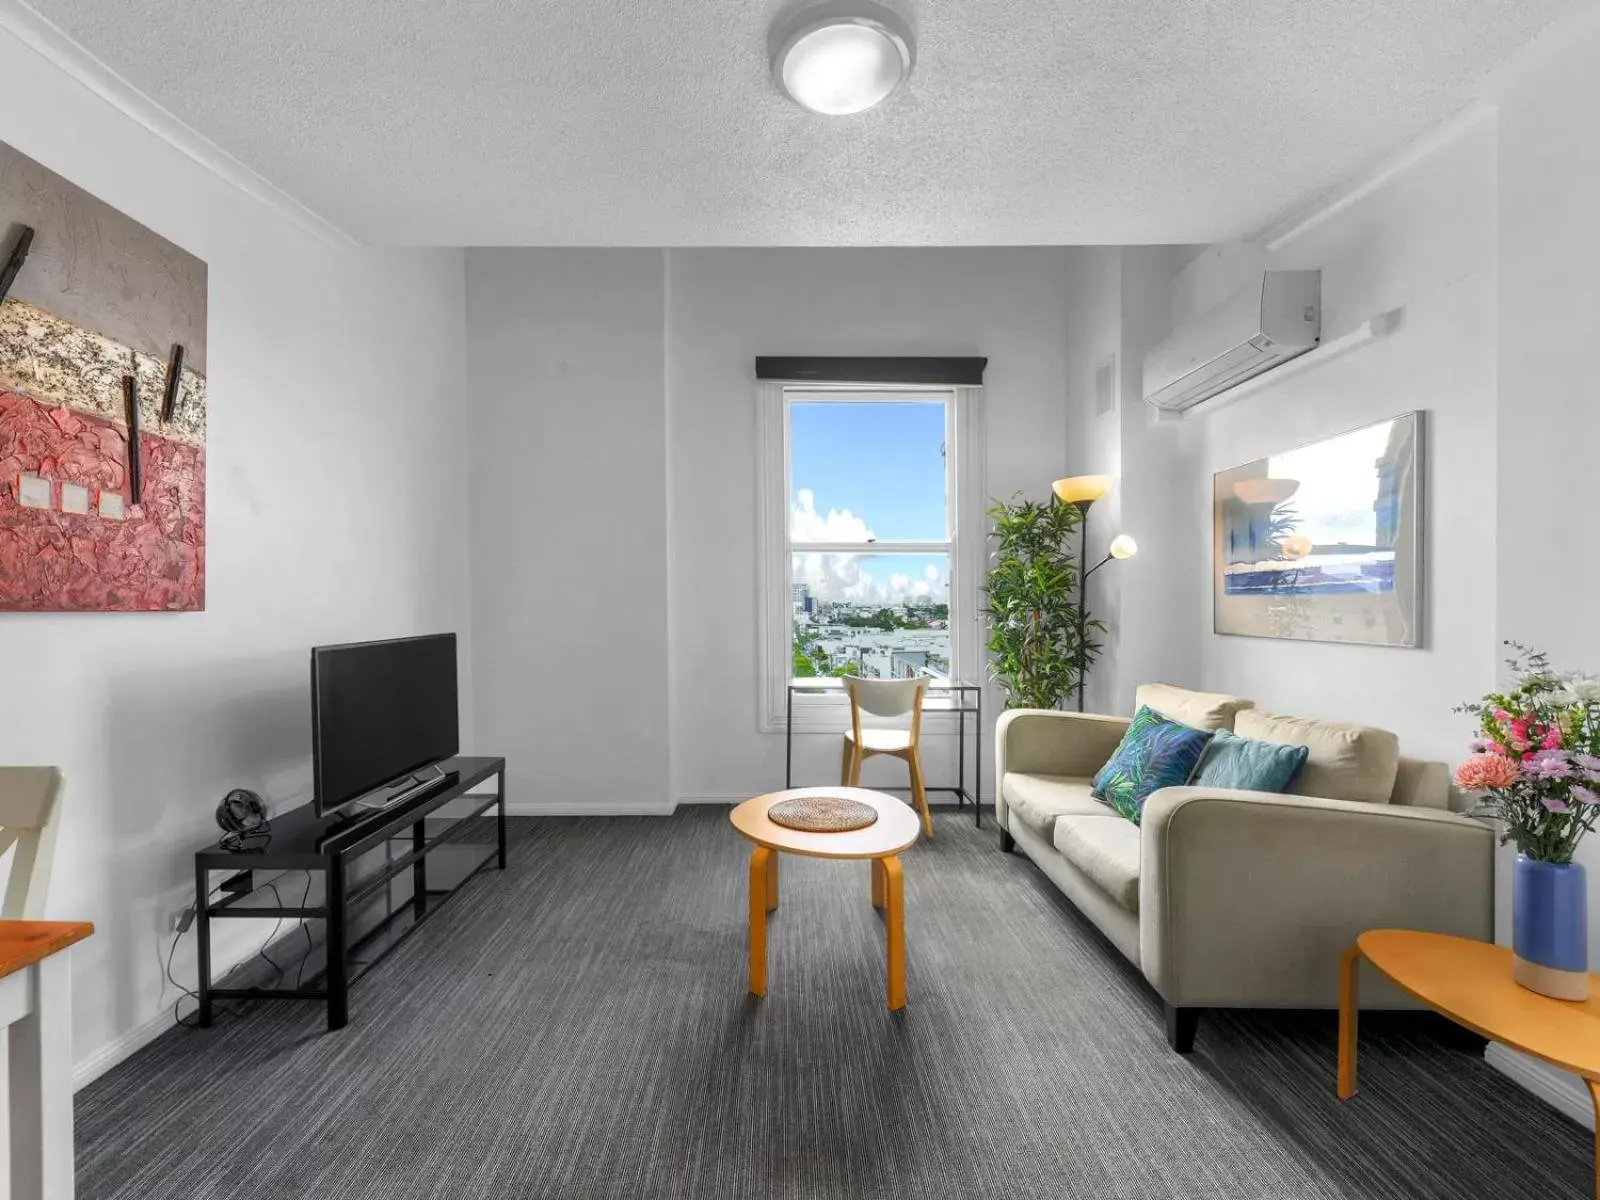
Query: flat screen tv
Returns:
{"type": "Point", "coordinates": [380, 713]}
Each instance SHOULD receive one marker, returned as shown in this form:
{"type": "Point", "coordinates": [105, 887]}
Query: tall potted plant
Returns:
{"type": "Point", "coordinates": [1536, 769]}
{"type": "Point", "coordinates": [1032, 610]}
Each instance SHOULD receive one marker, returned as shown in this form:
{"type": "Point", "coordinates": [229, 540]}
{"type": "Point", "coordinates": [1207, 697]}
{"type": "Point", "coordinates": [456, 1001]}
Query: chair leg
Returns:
{"type": "Point", "coordinates": [919, 793]}
{"type": "Point", "coordinates": [1181, 1026]}
{"type": "Point", "coordinates": [855, 767]}
{"type": "Point", "coordinates": [1008, 844]}
{"type": "Point", "coordinates": [844, 767]}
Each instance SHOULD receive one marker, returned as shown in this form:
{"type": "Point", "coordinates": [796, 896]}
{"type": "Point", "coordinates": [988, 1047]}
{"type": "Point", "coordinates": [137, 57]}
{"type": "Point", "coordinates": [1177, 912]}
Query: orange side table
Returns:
{"type": "Point", "coordinates": [1470, 982]}
{"type": "Point", "coordinates": [895, 830]}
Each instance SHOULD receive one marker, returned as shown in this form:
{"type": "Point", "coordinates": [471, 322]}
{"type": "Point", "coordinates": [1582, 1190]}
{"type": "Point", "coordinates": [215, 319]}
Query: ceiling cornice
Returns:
{"type": "Point", "coordinates": [56, 48]}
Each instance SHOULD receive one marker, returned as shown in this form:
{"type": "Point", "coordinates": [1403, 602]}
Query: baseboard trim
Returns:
{"type": "Point", "coordinates": [55, 47]}
{"type": "Point", "coordinates": [729, 798]}
{"type": "Point", "coordinates": [116, 1052]}
{"type": "Point", "coordinates": [1561, 1090]}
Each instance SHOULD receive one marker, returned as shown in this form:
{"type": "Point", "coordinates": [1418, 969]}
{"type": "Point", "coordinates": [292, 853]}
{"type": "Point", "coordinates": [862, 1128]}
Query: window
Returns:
{"type": "Point", "coordinates": [865, 529]}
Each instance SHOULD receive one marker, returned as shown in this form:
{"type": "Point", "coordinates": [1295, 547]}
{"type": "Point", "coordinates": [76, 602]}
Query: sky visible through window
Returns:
{"type": "Point", "coordinates": [861, 472]}
{"type": "Point", "coordinates": [872, 474]}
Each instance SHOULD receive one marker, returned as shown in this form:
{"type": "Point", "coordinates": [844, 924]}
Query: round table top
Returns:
{"type": "Point", "coordinates": [1470, 982]}
{"type": "Point", "coordinates": [896, 828]}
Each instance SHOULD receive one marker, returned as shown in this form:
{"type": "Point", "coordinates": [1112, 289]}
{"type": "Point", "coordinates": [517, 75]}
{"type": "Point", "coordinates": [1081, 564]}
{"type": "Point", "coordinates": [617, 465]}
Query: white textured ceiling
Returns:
{"type": "Point", "coordinates": [655, 122]}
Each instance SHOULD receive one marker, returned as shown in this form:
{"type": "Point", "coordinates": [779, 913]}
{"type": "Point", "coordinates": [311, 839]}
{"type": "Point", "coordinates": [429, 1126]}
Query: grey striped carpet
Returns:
{"type": "Point", "coordinates": [578, 1027]}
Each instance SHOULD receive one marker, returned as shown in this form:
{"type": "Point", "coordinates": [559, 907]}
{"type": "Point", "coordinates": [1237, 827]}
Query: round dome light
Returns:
{"type": "Point", "coordinates": [843, 64]}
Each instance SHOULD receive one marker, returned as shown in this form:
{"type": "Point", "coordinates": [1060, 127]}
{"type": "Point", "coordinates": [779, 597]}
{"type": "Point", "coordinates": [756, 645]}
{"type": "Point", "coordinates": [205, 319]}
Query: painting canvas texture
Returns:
{"type": "Point", "coordinates": [1324, 542]}
{"type": "Point", "coordinates": [99, 300]}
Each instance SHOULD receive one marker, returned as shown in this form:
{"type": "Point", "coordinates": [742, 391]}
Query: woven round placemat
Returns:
{"type": "Point", "coordinates": [822, 814]}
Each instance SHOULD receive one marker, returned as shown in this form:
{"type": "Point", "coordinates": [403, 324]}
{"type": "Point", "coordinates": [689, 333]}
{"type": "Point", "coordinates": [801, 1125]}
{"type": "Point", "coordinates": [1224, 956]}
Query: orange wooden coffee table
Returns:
{"type": "Point", "coordinates": [1470, 982]}
{"type": "Point", "coordinates": [894, 830]}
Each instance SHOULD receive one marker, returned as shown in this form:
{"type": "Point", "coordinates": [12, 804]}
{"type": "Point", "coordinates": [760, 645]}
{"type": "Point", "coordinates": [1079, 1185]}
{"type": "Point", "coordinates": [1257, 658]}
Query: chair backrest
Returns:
{"type": "Point", "coordinates": [886, 697]}
{"type": "Point", "coordinates": [30, 803]}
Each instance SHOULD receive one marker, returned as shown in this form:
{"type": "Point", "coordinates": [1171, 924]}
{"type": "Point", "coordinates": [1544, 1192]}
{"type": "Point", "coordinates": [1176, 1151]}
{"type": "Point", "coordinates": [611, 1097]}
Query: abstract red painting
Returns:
{"type": "Point", "coordinates": [102, 405]}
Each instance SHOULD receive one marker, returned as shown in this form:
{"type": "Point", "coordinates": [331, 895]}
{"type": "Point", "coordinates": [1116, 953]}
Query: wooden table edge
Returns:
{"type": "Point", "coordinates": [1361, 955]}
{"type": "Point", "coordinates": [26, 943]}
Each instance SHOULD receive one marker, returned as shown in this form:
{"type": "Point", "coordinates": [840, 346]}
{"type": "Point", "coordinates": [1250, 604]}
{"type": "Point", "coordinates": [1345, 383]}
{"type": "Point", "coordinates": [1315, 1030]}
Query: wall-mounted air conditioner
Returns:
{"type": "Point", "coordinates": [1274, 319]}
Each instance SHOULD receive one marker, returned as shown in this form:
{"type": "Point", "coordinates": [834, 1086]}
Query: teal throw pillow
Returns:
{"type": "Point", "coordinates": [1154, 753]}
{"type": "Point", "coordinates": [1231, 761]}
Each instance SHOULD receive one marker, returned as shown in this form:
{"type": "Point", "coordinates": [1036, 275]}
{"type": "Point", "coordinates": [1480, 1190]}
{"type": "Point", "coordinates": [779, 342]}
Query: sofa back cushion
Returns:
{"type": "Point", "coordinates": [1345, 762]}
{"type": "Point", "coordinates": [1197, 710]}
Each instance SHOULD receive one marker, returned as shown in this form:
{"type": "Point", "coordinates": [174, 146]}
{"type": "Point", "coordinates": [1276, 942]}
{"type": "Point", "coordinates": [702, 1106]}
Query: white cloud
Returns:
{"type": "Point", "coordinates": [840, 525]}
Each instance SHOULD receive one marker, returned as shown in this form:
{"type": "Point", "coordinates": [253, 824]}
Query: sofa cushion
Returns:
{"type": "Point", "coordinates": [1106, 849]}
{"type": "Point", "coordinates": [1197, 710]}
{"type": "Point", "coordinates": [1345, 762]}
{"type": "Point", "coordinates": [1037, 800]}
{"type": "Point", "coordinates": [1231, 761]}
{"type": "Point", "coordinates": [1155, 753]}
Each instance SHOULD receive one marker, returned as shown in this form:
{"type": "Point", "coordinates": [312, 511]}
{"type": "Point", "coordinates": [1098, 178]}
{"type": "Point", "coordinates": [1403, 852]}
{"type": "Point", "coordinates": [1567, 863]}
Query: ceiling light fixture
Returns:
{"type": "Point", "coordinates": [841, 58]}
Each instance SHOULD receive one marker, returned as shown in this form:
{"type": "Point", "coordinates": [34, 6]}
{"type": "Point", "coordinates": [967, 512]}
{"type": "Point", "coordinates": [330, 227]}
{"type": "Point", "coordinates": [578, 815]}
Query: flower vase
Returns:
{"type": "Point", "coordinates": [1550, 928]}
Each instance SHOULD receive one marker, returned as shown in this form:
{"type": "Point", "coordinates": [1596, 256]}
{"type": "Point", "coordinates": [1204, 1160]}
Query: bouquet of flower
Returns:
{"type": "Point", "coordinates": [1536, 761]}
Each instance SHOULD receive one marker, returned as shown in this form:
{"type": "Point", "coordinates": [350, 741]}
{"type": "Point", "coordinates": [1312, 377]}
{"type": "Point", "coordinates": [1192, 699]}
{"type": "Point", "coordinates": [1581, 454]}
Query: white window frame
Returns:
{"type": "Point", "coordinates": [966, 492]}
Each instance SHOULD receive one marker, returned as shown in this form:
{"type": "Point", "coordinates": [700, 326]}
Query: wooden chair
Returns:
{"type": "Point", "coordinates": [30, 803]}
{"type": "Point", "coordinates": [886, 698]}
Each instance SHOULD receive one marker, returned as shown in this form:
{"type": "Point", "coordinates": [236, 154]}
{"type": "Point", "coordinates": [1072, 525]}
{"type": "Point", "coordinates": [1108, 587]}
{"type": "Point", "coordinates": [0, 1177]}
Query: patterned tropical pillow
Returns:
{"type": "Point", "coordinates": [1154, 753]}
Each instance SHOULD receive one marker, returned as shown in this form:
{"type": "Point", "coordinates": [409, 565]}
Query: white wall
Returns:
{"type": "Point", "coordinates": [727, 306]}
{"type": "Point", "coordinates": [614, 395]}
{"type": "Point", "coordinates": [569, 528]}
{"type": "Point", "coordinates": [336, 447]}
{"type": "Point", "coordinates": [1425, 241]}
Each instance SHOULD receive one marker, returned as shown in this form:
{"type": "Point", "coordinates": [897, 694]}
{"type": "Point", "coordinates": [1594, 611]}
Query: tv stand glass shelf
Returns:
{"type": "Point", "coordinates": [371, 877]}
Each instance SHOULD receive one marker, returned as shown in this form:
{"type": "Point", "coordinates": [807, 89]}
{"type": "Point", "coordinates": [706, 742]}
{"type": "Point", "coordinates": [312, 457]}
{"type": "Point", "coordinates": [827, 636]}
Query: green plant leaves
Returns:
{"type": "Point", "coordinates": [1034, 621]}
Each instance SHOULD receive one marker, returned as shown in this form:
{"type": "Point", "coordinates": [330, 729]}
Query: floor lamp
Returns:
{"type": "Point", "coordinates": [1081, 491]}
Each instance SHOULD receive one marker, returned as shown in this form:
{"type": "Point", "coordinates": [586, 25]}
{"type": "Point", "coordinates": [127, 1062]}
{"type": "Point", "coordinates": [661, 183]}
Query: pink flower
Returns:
{"type": "Point", "coordinates": [1485, 772]}
{"type": "Point", "coordinates": [1584, 796]}
{"type": "Point", "coordinates": [1519, 730]}
{"type": "Point", "coordinates": [1555, 804]}
{"type": "Point", "coordinates": [1501, 715]}
{"type": "Point", "coordinates": [1497, 748]}
{"type": "Point", "coordinates": [1552, 739]}
{"type": "Point", "coordinates": [1547, 764]}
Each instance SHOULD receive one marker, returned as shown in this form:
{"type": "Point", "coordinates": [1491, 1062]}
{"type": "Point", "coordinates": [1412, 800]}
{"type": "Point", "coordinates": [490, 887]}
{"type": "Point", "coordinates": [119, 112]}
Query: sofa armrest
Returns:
{"type": "Point", "coordinates": [1247, 899]}
{"type": "Point", "coordinates": [1047, 741]}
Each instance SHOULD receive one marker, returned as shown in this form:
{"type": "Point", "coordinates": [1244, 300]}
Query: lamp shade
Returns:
{"type": "Point", "coordinates": [1082, 489]}
{"type": "Point", "coordinates": [1123, 546]}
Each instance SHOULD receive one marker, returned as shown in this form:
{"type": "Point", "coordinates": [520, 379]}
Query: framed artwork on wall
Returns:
{"type": "Point", "coordinates": [1324, 543]}
{"type": "Point", "coordinates": [102, 405]}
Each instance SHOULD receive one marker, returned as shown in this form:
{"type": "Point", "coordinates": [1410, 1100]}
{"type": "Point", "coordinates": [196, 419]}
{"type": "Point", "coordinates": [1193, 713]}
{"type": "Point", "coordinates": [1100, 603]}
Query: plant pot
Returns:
{"type": "Point", "coordinates": [1550, 928]}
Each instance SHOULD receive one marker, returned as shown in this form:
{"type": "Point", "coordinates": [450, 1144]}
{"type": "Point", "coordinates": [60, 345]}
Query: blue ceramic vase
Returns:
{"type": "Point", "coordinates": [1550, 928]}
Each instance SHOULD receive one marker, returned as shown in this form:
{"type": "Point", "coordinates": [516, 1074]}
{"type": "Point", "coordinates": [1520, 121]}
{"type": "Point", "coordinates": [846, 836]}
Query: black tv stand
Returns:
{"type": "Point", "coordinates": [368, 878]}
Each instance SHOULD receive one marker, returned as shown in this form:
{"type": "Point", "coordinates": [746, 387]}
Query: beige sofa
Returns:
{"type": "Point", "coordinates": [1235, 899]}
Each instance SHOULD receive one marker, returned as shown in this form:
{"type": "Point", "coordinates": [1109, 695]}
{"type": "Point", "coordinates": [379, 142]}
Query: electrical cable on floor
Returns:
{"type": "Point", "coordinates": [234, 1010]}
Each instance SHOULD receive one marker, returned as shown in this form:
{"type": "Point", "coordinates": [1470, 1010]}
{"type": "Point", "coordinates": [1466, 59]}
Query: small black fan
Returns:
{"type": "Point", "coordinates": [243, 818]}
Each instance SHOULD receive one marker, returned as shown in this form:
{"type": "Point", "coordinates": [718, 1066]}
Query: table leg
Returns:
{"type": "Point", "coordinates": [758, 920]}
{"type": "Point", "coordinates": [1349, 1012]}
{"type": "Point", "coordinates": [1594, 1097]}
{"type": "Point", "coordinates": [977, 759]}
{"type": "Point", "coordinates": [772, 881]}
{"type": "Point", "coordinates": [878, 900]}
{"type": "Point", "coordinates": [40, 1086]}
{"type": "Point", "coordinates": [894, 894]}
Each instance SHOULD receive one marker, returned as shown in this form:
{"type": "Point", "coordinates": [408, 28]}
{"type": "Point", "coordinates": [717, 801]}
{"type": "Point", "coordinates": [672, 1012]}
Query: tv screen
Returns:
{"type": "Point", "coordinates": [379, 711]}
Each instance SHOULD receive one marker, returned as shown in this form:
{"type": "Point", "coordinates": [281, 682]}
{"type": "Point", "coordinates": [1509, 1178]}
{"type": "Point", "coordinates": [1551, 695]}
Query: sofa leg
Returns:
{"type": "Point", "coordinates": [1181, 1024]}
{"type": "Point", "coordinates": [1007, 843]}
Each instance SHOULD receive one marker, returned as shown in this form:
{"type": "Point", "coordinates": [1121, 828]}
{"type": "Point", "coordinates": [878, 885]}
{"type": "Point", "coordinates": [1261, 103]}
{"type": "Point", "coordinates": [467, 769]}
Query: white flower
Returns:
{"type": "Point", "coordinates": [1562, 698]}
{"type": "Point", "coordinates": [1587, 690]}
